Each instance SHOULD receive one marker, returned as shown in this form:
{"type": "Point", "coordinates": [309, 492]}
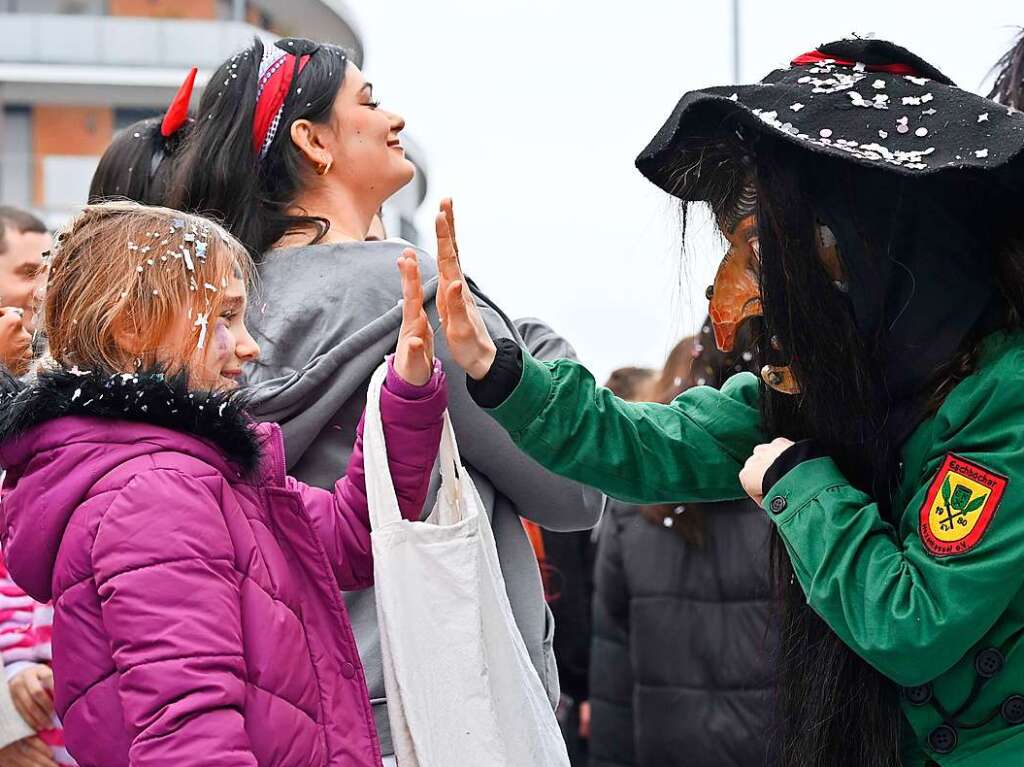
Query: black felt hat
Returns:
{"type": "Point", "coordinates": [868, 102]}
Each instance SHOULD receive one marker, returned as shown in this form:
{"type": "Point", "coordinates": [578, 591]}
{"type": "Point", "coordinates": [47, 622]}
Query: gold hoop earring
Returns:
{"type": "Point", "coordinates": [323, 168]}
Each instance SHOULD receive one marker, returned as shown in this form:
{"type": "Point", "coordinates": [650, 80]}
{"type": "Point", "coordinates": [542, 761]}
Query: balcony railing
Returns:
{"type": "Point", "coordinates": [121, 42]}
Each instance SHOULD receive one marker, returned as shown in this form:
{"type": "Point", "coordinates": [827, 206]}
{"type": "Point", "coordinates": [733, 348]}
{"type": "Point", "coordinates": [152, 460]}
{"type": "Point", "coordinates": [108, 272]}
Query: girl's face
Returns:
{"type": "Point", "coordinates": [362, 142]}
{"type": "Point", "coordinates": [226, 343]}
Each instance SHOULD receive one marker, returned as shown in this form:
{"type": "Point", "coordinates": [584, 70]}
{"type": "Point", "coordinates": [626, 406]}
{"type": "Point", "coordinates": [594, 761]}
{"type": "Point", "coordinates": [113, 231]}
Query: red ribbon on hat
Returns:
{"type": "Point", "coordinates": [271, 98]}
{"type": "Point", "coordinates": [816, 57]}
{"type": "Point", "coordinates": [177, 112]}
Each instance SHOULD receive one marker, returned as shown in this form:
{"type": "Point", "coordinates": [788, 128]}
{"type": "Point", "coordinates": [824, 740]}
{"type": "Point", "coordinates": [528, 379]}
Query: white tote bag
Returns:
{"type": "Point", "coordinates": [460, 686]}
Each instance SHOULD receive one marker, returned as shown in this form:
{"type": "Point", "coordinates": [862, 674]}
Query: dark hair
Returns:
{"type": "Point", "coordinates": [697, 361]}
{"type": "Point", "coordinates": [20, 221]}
{"type": "Point", "coordinates": [138, 164]}
{"type": "Point", "coordinates": [1008, 88]}
{"type": "Point", "coordinates": [219, 174]}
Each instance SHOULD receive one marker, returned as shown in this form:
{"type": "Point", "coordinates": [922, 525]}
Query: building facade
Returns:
{"type": "Point", "coordinates": [73, 72]}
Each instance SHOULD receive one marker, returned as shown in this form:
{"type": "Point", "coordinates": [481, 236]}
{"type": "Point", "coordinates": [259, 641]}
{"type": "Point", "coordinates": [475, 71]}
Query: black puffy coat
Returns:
{"type": "Point", "coordinates": [683, 647]}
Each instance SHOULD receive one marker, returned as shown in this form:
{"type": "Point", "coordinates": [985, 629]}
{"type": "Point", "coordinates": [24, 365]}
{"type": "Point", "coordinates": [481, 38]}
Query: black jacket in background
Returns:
{"type": "Point", "coordinates": [681, 661]}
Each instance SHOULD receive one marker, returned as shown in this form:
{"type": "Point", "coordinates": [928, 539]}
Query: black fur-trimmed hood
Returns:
{"type": "Point", "coordinates": [144, 397]}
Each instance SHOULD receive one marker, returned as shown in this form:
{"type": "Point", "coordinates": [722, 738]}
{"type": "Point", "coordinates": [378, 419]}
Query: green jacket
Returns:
{"type": "Point", "coordinates": [934, 603]}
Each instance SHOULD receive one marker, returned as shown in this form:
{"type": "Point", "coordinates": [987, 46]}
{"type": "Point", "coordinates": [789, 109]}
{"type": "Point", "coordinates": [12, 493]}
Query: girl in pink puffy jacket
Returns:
{"type": "Point", "coordinates": [197, 614]}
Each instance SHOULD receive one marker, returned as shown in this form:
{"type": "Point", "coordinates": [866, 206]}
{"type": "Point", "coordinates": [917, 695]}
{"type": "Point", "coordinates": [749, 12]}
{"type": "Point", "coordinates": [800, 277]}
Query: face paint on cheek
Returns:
{"type": "Point", "coordinates": [221, 343]}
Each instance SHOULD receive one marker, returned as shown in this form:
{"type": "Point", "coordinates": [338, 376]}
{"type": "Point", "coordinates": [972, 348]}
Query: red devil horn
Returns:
{"type": "Point", "coordinates": [177, 112]}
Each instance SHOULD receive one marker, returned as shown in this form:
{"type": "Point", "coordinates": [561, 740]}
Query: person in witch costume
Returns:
{"type": "Point", "coordinates": [136, 166]}
{"type": "Point", "coordinates": [868, 205]}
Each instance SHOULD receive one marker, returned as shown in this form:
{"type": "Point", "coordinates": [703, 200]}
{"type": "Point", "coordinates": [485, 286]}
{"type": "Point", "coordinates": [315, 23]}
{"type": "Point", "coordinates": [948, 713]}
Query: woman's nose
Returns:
{"type": "Point", "coordinates": [397, 122]}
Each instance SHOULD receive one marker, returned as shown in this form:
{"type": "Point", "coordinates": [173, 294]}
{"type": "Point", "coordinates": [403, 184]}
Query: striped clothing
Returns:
{"type": "Point", "coordinates": [25, 630]}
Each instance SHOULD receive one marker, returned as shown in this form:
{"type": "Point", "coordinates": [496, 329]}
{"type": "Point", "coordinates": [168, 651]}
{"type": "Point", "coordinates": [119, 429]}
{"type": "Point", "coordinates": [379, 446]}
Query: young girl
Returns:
{"type": "Point", "coordinates": [195, 585]}
{"type": "Point", "coordinates": [871, 210]}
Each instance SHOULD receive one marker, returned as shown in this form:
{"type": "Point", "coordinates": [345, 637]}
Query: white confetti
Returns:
{"type": "Point", "coordinates": [201, 323]}
{"type": "Point", "coordinates": [796, 107]}
{"type": "Point", "coordinates": [825, 133]}
{"type": "Point", "coordinates": [878, 84]}
{"type": "Point", "coordinates": [983, 117]}
{"type": "Point", "coordinates": [921, 132]}
{"type": "Point", "coordinates": [981, 153]}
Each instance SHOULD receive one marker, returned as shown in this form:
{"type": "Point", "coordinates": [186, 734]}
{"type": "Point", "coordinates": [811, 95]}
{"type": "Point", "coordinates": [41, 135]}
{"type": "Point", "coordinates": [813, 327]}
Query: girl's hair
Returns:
{"type": "Point", "coordinates": [138, 164]}
{"type": "Point", "coordinates": [1008, 88]}
{"type": "Point", "coordinates": [697, 361]}
{"type": "Point", "coordinates": [124, 276]}
{"type": "Point", "coordinates": [220, 174]}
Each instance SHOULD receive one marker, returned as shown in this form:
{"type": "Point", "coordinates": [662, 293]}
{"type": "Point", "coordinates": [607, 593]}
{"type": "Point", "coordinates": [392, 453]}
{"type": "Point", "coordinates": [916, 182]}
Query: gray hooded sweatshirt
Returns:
{"type": "Point", "coordinates": [325, 316]}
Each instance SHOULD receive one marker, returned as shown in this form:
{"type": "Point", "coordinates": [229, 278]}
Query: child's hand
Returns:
{"type": "Point", "coordinates": [28, 752]}
{"type": "Point", "coordinates": [32, 694]}
{"type": "Point", "coordinates": [468, 339]}
{"type": "Point", "coordinates": [414, 359]}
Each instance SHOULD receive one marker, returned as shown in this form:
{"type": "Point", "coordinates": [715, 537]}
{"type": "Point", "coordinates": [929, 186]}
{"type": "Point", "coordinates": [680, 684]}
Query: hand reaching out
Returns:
{"type": "Point", "coordinates": [414, 358]}
{"type": "Point", "coordinates": [470, 343]}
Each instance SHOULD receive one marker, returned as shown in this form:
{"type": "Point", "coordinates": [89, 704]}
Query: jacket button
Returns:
{"type": "Point", "coordinates": [348, 670]}
{"type": "Point", "coordinates": [988, 662]}
{"type": "Point", "coordinates": [918, 696]}
{"type": "Point", "coordinates": [1012, 709]}
{"type": "Point", "coordinates": [943, 739]}
{"type": "Point", "coordinates": [778, 504]}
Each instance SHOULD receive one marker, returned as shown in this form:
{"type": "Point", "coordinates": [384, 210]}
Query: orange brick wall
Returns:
{"type": "Point", "coordinates": [67, 130]}
{"type": "Point", "coordinates": [176, 9]}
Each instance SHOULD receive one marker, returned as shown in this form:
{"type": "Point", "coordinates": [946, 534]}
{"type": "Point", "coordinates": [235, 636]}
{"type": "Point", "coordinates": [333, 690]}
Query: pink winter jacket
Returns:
{"type": "Point", "coordinates": [198, 619]}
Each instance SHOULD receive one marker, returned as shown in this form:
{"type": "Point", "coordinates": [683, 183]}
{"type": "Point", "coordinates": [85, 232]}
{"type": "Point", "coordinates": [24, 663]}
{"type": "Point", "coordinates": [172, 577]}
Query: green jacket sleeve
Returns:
{"type": "Point", "coordinates": [909, 612]}
{"type": "Point", "coordinates": [689, 450]}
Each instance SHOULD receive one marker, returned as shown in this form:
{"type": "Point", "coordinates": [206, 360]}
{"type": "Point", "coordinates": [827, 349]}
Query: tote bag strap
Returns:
{"type": "Point", "coordinates": [380, 490]}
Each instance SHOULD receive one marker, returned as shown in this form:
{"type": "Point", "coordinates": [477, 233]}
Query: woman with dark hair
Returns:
{"type": "Point", "coordinates": [682, 650]}
{"type": "Point", "coordinates": [294, 154]}
{"type": "Point", "coordinates": [871, 213]}
{"type": "Point", "coordinates": [137, 164]}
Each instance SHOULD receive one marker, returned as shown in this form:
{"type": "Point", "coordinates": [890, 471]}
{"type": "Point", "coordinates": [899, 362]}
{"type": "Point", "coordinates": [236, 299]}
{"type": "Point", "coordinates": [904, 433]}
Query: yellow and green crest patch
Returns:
{"type": "Point", "coordinates": [959, 506]}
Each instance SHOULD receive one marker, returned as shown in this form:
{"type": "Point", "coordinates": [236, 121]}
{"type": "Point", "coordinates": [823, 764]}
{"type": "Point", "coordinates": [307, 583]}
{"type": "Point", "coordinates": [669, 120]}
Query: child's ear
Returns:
{"type": "Point", "coordinates": [127, 336]}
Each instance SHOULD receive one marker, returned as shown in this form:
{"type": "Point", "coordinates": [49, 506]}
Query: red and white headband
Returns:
{"type": "Point", "coordinates": [277, 71]}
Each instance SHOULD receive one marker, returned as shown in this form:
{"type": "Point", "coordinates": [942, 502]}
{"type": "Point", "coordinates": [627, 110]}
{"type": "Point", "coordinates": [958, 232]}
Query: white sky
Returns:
{"type": "Point", "coordinates": [531, 113]}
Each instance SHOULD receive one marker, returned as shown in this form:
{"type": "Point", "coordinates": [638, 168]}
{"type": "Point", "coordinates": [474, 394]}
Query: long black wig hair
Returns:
{"type": "Point", "coordinates": [833, 708]}
{"type": "Point", "coordinates": [220, 175]}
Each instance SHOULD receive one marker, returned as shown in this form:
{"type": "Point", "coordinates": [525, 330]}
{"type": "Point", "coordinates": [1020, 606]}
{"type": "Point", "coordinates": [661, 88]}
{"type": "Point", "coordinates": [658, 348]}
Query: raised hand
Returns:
{"type": "Point", "coordinates": [468, 340]}
{"type": "Point", "coordinates": [414, 359]}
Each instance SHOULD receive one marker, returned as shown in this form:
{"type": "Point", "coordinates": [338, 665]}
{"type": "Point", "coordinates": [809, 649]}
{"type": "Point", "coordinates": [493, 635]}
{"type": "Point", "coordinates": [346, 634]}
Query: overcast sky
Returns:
{"type": "Point", "coordinates": [531, 113]}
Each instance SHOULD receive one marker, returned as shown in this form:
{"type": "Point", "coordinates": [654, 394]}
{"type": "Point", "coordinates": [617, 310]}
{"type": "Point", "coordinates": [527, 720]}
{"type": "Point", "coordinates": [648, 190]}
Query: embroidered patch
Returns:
{"type": "Point", "coordinates": [960, 505]}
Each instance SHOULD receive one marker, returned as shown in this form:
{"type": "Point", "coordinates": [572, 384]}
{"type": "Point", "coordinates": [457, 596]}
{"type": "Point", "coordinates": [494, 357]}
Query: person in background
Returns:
{"type": "Point", "coordinates": [139, 160]}
{"type": "Point", "coordinates": [681, 668]}
{"type": "Point", "coordinates": [26, 627]}
{"type": "Point", "coordinates": [296, 156]}
{"type": "Point", "coordinates": [566, 561]}
{"type": "Point", "coordinates": [24, 623]}
{"type": "Point", "coordinates": [23, 241]}
{"type": "Point", "coordinates": [632, 383]}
